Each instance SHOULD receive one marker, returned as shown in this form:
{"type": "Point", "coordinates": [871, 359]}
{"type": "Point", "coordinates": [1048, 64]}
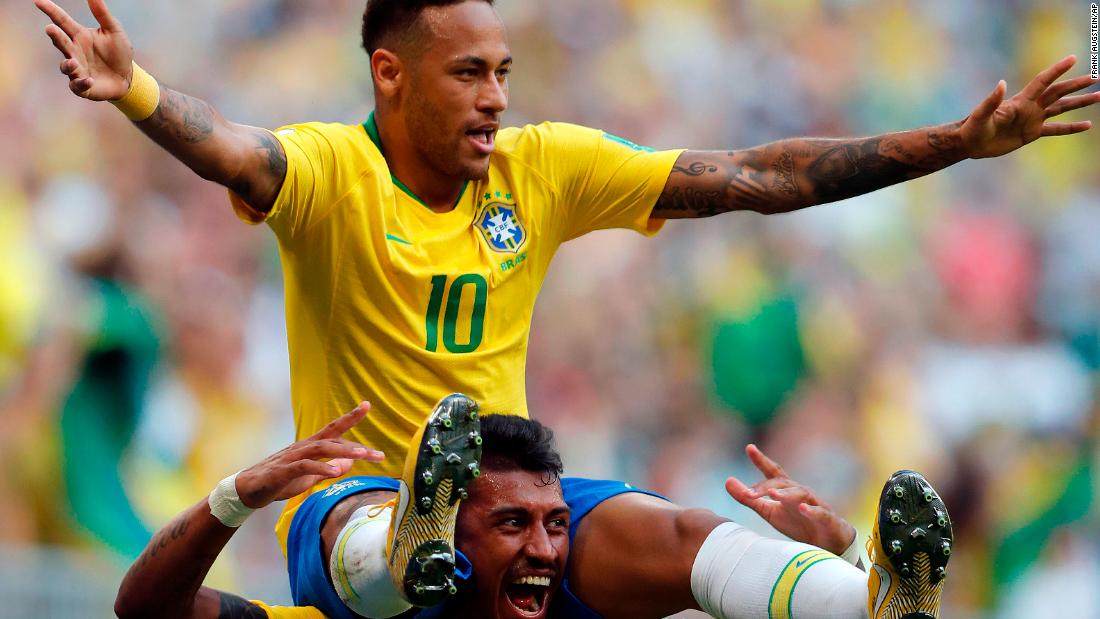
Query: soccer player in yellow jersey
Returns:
{"type": "Point", "coordinates": [413, 246]}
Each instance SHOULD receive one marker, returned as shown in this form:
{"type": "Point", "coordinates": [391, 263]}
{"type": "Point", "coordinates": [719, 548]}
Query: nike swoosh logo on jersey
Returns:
{"type": "Point", "coordinates": [390, 237]}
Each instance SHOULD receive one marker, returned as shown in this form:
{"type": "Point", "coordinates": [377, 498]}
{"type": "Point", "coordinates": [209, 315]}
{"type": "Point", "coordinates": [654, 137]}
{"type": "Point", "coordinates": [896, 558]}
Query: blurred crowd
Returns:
{"type": "Point", "coordinates": [950, 325]}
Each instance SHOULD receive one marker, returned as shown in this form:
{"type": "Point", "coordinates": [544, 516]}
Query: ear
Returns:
{"type": "Point", "coordinates": [388, 72]}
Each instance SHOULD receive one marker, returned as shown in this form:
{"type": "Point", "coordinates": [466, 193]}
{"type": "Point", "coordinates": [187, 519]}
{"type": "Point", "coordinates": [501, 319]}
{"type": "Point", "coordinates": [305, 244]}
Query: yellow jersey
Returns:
{"type": "Point", "coordinates": [391, 302]}
{"type": "Point", "coordinates": [289, 612]}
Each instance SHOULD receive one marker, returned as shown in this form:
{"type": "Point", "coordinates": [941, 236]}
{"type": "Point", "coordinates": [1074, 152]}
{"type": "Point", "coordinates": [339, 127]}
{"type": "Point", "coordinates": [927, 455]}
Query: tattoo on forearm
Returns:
{"type": "Point", "coordinates": [185, 118]}
{"type": "Point", "coordinates": [784, 175]}
{"type": "Point", "coordinates": [788, 175]}
{"type": "Point", "coordinates": [234, 607]}
{"type": "Point", "coordinates": [164, 538]}
{"type": "Point", "coordinates": [850, 169]}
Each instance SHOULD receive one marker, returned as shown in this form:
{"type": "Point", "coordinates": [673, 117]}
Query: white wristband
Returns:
{"type": "Point", "coordinates": [852, 554]}
{"type": "Point", "coordinates": [226, 505]}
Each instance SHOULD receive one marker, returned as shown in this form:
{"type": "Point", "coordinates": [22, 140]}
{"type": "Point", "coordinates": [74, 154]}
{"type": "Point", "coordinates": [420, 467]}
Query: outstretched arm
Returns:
{"type": "Point", "coordinates": [791, 508]}
{"type": "Point", "coordinates": [792, 174]}
{"type": "Point", "coordinates": [166, 579]}
{"type": "Point", "coordinates": [99, 65]}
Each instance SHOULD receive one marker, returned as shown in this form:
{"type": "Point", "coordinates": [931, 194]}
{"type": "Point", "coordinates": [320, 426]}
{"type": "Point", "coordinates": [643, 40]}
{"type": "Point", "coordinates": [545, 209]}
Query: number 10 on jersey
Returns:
{"type": "Point", "coordinates": [453, 296]}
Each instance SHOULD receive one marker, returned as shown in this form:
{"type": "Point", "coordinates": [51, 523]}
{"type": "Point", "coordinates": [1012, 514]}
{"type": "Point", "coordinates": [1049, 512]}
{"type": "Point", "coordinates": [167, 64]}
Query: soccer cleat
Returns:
{"type": "Point", "coordinates": [444, 457]}
{"type": "Point", "coordinates": [909, 549]}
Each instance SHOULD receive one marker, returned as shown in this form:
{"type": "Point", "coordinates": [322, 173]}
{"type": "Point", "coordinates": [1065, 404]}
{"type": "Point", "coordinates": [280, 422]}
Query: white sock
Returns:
{"type": "Point", "coordinates": [741, 575]}
{"type": "Point", "coordinates": [358, 566]}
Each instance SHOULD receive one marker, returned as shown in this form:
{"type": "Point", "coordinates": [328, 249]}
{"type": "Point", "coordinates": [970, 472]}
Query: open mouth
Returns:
{"type": "Point", "coordinates": [528, 595]}
{"type": "Point", "coordinates": [483, 140]}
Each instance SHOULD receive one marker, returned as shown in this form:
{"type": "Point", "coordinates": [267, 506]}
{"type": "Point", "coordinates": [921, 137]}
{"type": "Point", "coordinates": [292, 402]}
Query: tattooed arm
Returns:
{"type": "Point", "coordinates": [248, 160]}
{"type": "Point", "coordinates": [98, 63]}
{"type": "Point", "coordinates": [166, 580]}
{"type": "Point", "coordinates": [792, 174]}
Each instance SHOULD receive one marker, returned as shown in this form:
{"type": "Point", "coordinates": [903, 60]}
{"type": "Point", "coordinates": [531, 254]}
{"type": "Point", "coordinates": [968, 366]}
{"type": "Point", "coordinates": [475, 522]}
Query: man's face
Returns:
{"type": "Point", "coordinates": [514, 528]}
{"type": "Point", "coordinates": [457, 88]}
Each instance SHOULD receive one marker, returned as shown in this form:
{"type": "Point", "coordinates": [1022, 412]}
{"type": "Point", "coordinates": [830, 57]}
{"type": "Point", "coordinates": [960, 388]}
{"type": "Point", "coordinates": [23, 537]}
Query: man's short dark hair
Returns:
{"type": "Point", "coordinates": [387, 21]}
{"type": "Point", "coordinates": [511, 442]}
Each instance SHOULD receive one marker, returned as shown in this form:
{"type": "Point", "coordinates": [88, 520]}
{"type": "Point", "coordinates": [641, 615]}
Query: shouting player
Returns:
{"type": "Point", "coordinates": [413, 247]}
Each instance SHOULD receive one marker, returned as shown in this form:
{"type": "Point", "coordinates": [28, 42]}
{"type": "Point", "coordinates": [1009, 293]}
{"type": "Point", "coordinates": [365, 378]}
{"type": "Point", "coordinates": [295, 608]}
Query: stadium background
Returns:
{"type": "Point", "coordinates": [950, 325]}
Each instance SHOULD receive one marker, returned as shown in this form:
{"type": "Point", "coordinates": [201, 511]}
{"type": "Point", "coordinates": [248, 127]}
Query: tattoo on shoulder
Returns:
{"type": "Point", "coordinates": [235, 607]}
{"type": "Point", "coordinates": [267, 144]}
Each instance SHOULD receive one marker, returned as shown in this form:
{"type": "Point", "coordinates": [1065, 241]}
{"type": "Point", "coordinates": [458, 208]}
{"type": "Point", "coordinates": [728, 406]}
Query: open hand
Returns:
{"type": "Point", "coordinates": [791, 508]}
{"type": "Point", "coordinates": [999, 126]}
{"type": "Point", "coordinates": [297, 468]}
{"type": "Point", "coordinates": [98, 62]}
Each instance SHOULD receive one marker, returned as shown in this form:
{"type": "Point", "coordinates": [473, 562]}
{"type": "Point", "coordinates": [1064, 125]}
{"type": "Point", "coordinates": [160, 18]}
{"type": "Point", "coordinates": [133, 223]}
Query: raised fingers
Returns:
{"type": "Point", "coordinates": [335, 448]}
{"type": "Point", "coordinates": [745, 496]}
{"type": "Point", "coordinates": [791, 496]}
{"type": "Point", "coordinates": [61, 41]}
{"type": "Point", "coordinates": [766, 465]}
{"type": "Point", "coordinates": [106, 21]}
{"type": "Point", "coordinates": [303, 468]}
{"type": "Point", "coordinates": [1064, 88]}
{"type": "Point", "coordinates": [1050, 129]}
{"type": "Point", "coordinates": [1039, 84]}
{"type": "Point", "coordinates": [986, 108]}
{"type": "Point", "coordinates": [58, 16]}
{"type": "Point", "coordinates": [1065, 104]}
{"type": "Point", "coordinates": [343, 423]}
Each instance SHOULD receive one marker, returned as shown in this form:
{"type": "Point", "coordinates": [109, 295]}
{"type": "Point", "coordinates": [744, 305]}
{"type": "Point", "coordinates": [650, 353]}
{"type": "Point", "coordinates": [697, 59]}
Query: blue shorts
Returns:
{"type": "Point", "coordinates": [307, 565]}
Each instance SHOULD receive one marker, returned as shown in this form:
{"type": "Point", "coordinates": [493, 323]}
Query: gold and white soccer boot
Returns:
{"type": "Point", "coordinates": [909, 549]}
{"type": "Point", "coordinates": [444, 457]}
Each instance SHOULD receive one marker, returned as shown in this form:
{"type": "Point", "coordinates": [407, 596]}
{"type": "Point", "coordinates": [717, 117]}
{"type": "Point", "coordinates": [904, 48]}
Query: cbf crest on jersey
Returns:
{"type": "Point", "coordinates": [502, 229]}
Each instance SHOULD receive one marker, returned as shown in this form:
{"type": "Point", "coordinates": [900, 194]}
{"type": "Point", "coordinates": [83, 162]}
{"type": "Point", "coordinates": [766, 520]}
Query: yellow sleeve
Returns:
{"type": "Point", "coordinates": [290, 612]}
{"type": "Point", "coordinates": [603, 181]}
{"type": "Point", "coordinates": [317, 175]}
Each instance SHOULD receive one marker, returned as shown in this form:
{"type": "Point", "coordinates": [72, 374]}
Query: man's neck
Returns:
{"type": "Point", "coordinates": [436, 192]}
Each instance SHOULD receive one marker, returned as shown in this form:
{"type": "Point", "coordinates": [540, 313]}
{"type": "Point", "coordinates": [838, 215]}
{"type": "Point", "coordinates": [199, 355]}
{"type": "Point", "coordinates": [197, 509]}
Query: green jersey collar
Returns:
{"type": "Point", "coordinates": [371, 127]}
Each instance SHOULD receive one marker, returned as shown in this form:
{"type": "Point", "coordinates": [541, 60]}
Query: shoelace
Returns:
{"type": "Point", "coordinates": [381, 507]}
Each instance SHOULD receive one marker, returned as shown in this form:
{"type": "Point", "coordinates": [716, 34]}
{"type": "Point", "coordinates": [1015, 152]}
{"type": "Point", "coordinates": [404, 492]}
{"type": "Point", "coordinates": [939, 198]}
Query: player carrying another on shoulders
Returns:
{"type": "Point", "coordinates": [513, 529]}
{"type": "Point", "coordinates": [414, 244]}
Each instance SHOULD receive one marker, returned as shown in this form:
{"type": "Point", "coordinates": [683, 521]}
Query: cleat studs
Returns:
{"type": "Point", "coordinates": [472, 415]}
{"type": "Point", "coordinates": [446, 421]}
{"type": "Point", "coordinates": [899, 492]}
{"type": "Point", "coordinates": [941, 521]}
{"type": "Point", "coordinates": [475, 470]}
{"type": "Point", "coordinates": [451, 588]}
{"type": "Point", "coordinates": [895, 516]}
{"type": "Point", "coordinates": [905, 571]}
{"type": "Point", "coordinates": [928, 495]}
{"type": "Point", "coordinates": [895, 547]}
{"type": "Point", "coordinates": [463, 494]}
{"type": "Point", "coordinates": [941, 573]}
{"type": "Point", "coordinates": [420, 589]}
{"type": "Point", "coordinates": [453, 458]}
{"type": "Point", "coordinates": [426, 503]}
{"type": "Point", "coordinates": [945, 548]}
{"type": "Point", "coordinates": [427, 477]}
{"type": "Point", "coordinates": [917, 533]}
{"type": "Point", "coordinates": [435, 446]}
{"type": "Point", "coordinates": [475, 439]}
